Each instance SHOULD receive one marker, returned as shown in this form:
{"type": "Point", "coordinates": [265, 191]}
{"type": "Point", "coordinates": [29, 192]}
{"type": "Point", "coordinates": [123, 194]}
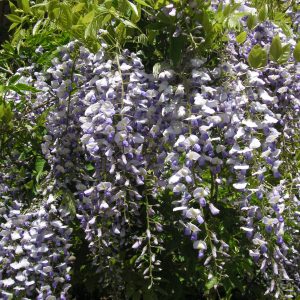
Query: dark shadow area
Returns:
{"type": "Point", "coordinates": [4, 22]}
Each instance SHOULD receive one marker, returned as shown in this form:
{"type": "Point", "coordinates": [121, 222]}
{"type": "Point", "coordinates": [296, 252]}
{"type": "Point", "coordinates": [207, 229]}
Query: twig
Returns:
{"type": "Point", "coordinates": [7, 71]}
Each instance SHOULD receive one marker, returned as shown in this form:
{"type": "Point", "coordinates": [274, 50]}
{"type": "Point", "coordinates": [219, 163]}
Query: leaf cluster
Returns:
{"type": "Point", "coordinates": [278, 53]}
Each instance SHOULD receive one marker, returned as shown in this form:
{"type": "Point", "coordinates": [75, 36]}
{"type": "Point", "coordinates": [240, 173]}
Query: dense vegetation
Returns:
{"type": "Point", "coordinates": [150, 150]}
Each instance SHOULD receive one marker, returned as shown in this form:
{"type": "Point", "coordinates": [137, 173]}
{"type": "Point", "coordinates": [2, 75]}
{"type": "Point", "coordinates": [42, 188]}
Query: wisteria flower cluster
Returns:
{"type": "Point", "coordinates": [213, 138]}
{"type": "Point", "coordinates": [273, 132]}
{"type": "Point", "coordinates": [35, 257]}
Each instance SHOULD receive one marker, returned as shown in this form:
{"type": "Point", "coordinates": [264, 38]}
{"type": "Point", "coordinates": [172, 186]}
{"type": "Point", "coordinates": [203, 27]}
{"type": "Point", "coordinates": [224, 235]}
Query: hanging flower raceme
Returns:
{"type": "Point", "coordinates": [34, 250]}
{"type": "Point", "coordinates": [270, 121]}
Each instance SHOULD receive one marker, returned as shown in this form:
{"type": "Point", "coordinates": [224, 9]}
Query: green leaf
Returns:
{"type": "Point", "coordinates": [263, 13]}
{"type": "Point", "coordinates": [105, 20]}
{"type": "Point", "coordinates": [12, 6]}
{"type": "Point", "coordinates": [226, 11]}
{"type": "Point", "coordinates": [297, 52]}
{"type": "Point", "coordinates": [2, 111]}
{"type": "Point", "coordinates": [52, 6]}
{"type": "Point", "coordinates": [88, 18]}
{"type": "Point", "coordinates": [78, 7]}
{"type": "Point", "coordinates": [25, 6]}
{"type": "Point", "coordinates": [142, 3]}
{"type": "Point", "coordinates": [241, 38]}
{"type": "Point", "coordinates": [12, 26]}
{"type": "Point", "coordinates": [142, 39]}
{"type": "Point", "coordinates": [14, 18]}
{"type": "Point", "coordinates": [251, 21]}
{"type": "Point", "coordinates": [258, 57]}
{"type": "Point", "coordinates": [65, 16]}
{"type": "Point", "coordinates": [25, 87]}
{"type": "Point", "coordinates": [69, 202]}
{"type": "Point", "coordinates": [108, 3]}
{"type": "Point", "coordinates": [234, 21]}
{"type": "Point", "coordinates": [39, 167]}
{"type": "Point", "coordinates": [29, 185]}
{"type": "Point", "coordinates": [9, 114]}
{"type": "Point", "coordinates": [130, 24]}
{"type": "Point", "coordinates": [13, 79]}
{"type": "Point", "coordinates": [90, 31]}
{"type": "Point", "coordinates": [6, 113]}
{"type": "Point", "coordinates": [77, 27]}
{"type": "Point", "coordinates": [19, 10]}
{"type": "Point", "coordinates": [13, 88]}
{"type": "Point", "coordinates": [211, 283]}
{"type": "Point", "coordinates": [133, 8]}
{"type": "Point", "coordinates": [276, 48]}
{"type": "Point", "coordinates": [90, 167]}
{"type": "Point", "coordinates": [120, 32]}
{"type": "Point", "coordinates": [36, 27]}
{"type": "Point", "coordinates": [285, 54]}
{"type": "Point", "coordinates": [287, 29]}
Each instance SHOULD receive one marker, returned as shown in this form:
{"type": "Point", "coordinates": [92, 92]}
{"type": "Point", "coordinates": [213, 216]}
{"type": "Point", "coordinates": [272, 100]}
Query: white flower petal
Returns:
{"type": "Point", "coordinates": [15, 236]}
{"type": "Point", "coordinates": [200, 245]}
{"type": "Point", "coordinates": [192, 155]}
{"type": "Point", "coordinates": [213, 209]}
{"type": "Point", "coordinates": [138, 138]}
{"type": "Point", "coordinates": [7, 282]}
{"type": "Point", "coordinates": [241, 167]}
{"type": "Point", "coordinates": [247, 229]}
{"type": "Point", "coordinates": [240, 185]}
{"type": "Point", "coordinates": [270, 120]}
{"type": "Point", "coordinates": [180, 208]}
{"type": "Point", "coordinates": [265, 96]}
{"type": "Point", "coordinates": [199, 100]}
{"type": "Point", "coordinates": [255, 143]}
{"type": "Point", "coordinates": [174, 179]}
{"type": "Point", "coordinates": [249, 123]}
{"type": "Point", "coordinates": [92, 109]}
{"type": "Point", "coordinates": [20, 277]}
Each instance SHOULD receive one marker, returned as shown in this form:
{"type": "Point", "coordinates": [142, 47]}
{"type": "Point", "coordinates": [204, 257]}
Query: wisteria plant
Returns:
{"type": "Point", "coordinates": [162, 167]}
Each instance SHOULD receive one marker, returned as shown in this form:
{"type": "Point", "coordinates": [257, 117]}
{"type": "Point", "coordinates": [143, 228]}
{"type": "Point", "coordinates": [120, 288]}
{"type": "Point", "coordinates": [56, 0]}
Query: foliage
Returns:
{"type": "Point", "coordinates": [152, 27]}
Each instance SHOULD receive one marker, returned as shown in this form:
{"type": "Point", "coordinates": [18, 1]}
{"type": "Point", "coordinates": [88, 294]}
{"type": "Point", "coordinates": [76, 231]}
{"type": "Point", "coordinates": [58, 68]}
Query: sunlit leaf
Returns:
{"type": "Point", "coordinates": [25, 5]}
{"type": "Point", "coordinates": [276, 48]}
{"type": "Point", "coordinates": [36, 27]}
{"type": "Point", "coordinates": [211, 283]}
{"type": "Point", "coordinates": [257, 57]}
{"type": "Point", "coordinates": [297, 52]}
{"type": "Point", "coordinates": [285, 54]}
{"type": "Point", "coordinates": [12, 26]}
{"type": "Point", "coordinates": [263, 13]}
{"type": "Point", "coordinates": [88, 18]}
{"type": "Point", "coordinates": [39, 167]}
{"type": "Point", "coordinates": [241, 38]}
{"type": "Point", "coordinates": [130, 24]}
{"type": "Point", "coordinates": [251, 21]}
{"type": "Point", "coordinates": [25, 87]}
{"type": "Point", "coordinates": [14, 18]}
{"type": "Point", "coordinates": [13, 79]}
{"type": "Point", "coordinates": [142, 3]}
{"type": "Point", "coordinates": [134, 8]}
{"type": "Point", "coordinates": [78, 7]}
